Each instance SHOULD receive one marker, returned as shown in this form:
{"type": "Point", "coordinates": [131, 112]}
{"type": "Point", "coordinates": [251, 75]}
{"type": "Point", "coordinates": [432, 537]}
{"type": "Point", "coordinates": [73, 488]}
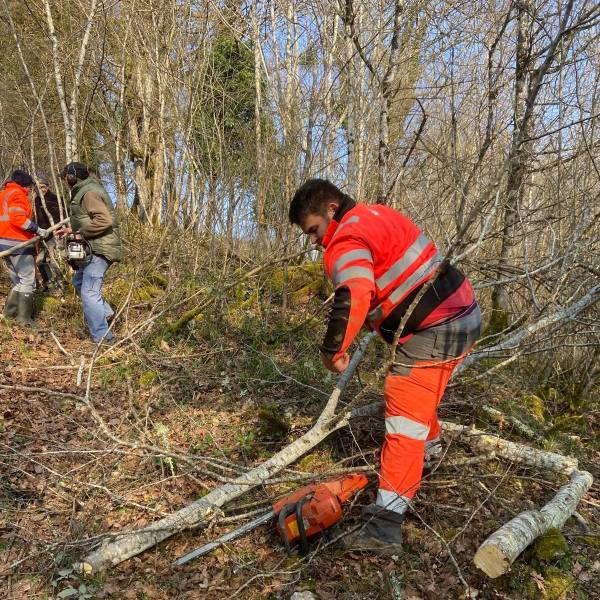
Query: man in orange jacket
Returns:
{"type": "Point", "coordinates": [379, 260]}
{"type": "Point", "coordinates": [17, 226]}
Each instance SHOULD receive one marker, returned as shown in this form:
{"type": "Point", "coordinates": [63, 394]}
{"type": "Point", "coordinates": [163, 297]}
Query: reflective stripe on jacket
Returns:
{"type": "Point", "coordinates": [378, 259]}
{"type": "Point", "coordinates": [16, 224]}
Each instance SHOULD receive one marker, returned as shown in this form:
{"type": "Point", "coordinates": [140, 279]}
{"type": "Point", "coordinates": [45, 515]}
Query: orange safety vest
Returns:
{"type": "Point", "coordinates": [378, 260]}
{"type": "Point", "coordinates": [16, 223]}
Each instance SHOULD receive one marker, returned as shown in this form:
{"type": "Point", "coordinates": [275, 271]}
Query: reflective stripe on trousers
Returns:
{"type": "Point", "coordinates": [412, 393]}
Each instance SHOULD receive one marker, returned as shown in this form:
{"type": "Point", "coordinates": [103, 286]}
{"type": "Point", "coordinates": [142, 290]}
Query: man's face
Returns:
{"type": "Point", "coordinates": [315, 225]}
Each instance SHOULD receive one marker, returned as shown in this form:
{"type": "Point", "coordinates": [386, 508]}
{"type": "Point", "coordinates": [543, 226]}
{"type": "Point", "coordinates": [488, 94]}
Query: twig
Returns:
{"type": "Point", "coordinates": [60, 347]}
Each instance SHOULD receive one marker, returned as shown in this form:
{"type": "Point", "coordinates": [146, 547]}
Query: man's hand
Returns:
{"type": "Point", "coordinates": [337, 366]}
{"type": "Point", "coordinates": [62, 232]}
{"type": "Point", "coordinates": [43, 233]}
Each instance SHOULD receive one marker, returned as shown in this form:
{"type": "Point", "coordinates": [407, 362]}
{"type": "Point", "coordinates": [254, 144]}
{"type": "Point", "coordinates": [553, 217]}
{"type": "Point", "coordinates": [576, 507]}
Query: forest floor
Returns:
{"type": "Point", "coordinates": [238, 386]}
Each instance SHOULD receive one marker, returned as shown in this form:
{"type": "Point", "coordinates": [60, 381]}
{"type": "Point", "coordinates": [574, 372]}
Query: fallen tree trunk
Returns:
{"type": "Point", "coordinates": [513, 451]}
{"type": "Point", "coordinates": [129, 544]}
{"type": "Point", "coordinates": [497, 553]}
{"type": "Point", "coordinates": [34, 239]}
{"type": "Point", "coordinates": [200, 512]}
{"type": "Point", "coordinates": [495, 556]}
{"type": "Point", "coordinates": [566, 313]}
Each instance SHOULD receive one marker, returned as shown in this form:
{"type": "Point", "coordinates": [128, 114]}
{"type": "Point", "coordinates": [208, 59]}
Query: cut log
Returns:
{"type": "Point", "coordinates": [201, 511]}
{"type": "Point", "coordinates": [495, 556]}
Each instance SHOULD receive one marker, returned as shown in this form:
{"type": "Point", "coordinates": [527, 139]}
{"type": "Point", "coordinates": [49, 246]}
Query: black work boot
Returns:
{"type": "Point", "coordinates": [381, 532]}
{"type": "Point", "coordinates": [25, 309]}
{"type": "Point", "coordinates": [11, 305]}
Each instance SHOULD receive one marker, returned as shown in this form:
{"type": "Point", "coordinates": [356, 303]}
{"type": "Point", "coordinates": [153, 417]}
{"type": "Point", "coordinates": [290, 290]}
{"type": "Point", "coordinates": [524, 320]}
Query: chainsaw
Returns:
{"type": "Point", "coordinates": [300, 515]}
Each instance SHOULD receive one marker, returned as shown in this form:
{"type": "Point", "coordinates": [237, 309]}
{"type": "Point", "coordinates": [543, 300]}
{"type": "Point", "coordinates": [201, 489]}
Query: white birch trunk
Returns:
{"type": "Point", "coordinates": [70, 142]}
{"type": "Point", "coordinates": [495, 556]}
{"type": "Point", "coordinates": [513, 451]}
{"type": "Point", "coordinates": [77, 79]}
{"type": "Point", "coordinates": [131, 543]}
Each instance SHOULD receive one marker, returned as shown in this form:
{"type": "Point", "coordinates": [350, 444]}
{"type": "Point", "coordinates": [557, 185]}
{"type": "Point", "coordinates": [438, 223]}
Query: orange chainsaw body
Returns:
{"type": "Point", "coordinates": [314, 508]}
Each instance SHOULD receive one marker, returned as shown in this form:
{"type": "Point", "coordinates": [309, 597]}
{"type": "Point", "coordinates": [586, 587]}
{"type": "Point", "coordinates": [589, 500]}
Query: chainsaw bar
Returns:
{"type": "Point", "coordinates": [232, 535]}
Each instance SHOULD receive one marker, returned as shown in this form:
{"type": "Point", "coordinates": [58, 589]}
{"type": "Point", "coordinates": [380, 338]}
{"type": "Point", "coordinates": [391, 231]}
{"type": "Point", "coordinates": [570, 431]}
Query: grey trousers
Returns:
{"type": "Point", "coordinates": [21, 268]}
{"type": "Point", "coordinates": [442, 342]}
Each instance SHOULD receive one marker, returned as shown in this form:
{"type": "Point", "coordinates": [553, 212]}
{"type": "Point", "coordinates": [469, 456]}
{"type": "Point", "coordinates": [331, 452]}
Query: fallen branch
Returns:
{"type": "Point", "coordinates": [567, 313]}
{"type": "Point", "coordinates": [495, 556]}
{"type": "Point", "coordinates": [513, 451]}
{"type": "Point", "coordinates": [203, 510]}
{"type": "Point", "coordinates": [34, 239]}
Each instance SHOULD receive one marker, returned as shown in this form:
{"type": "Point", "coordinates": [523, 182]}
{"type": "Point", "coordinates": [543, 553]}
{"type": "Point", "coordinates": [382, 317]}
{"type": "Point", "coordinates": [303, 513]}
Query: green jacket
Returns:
{"type": "Point", "coordinates": [107, 244]}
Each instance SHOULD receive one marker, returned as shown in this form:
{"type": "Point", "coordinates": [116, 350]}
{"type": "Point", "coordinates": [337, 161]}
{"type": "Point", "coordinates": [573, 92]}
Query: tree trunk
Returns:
{"type": "Point", "coordinates": [495, 556]}
{"type": "Point", "coordinates": [261, 217]}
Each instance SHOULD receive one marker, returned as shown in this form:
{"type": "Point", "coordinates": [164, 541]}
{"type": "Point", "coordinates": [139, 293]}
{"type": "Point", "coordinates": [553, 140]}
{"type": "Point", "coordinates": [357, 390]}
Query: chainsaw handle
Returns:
{"type": "Point", "coordinates": [284, 513]}
{"type": "Point", "coordinates": [301, 529]}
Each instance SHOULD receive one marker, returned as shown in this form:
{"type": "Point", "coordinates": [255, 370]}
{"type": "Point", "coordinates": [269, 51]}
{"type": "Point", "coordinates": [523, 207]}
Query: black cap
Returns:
{"type": "Point", "coordinates": [22, 178]}
{"type": "Point", "coordinates": [77, 169]}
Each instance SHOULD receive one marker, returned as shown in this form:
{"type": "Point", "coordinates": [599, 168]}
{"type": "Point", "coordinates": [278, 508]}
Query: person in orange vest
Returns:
{"type": "Point", "coordinates": [379, 261]}
{"type": "Point", "coordinates": [17, 226]}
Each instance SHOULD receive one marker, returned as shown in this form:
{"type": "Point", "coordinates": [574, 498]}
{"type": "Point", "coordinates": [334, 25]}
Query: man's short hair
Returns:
{"type": "Point", "coordinates": [22, 178]}
{"type": "Point", "coordinates": [312, 197]}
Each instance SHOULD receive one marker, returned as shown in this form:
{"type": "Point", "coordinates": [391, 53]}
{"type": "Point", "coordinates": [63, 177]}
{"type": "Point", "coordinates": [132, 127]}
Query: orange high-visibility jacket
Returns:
{"type": "Point", "coordinates": [378, 260]}
{"type": "Point", "coordinates": [16, 224]}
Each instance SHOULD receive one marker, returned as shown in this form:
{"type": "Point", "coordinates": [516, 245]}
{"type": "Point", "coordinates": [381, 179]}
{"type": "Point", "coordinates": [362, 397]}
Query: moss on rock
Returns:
{"type": "Point", "coordinates": [551, 545]}
{"type": "Point", "coordinates": [145, 291]}
{"type": "Point", "coordinates": [557, 584]}
{"type": "Point", "coordinates": [272, 423]}
{"type": "Point", "coordinates": [303, 281]}
{"type": "Point", "coordinates": [592, 540]}
{"type": "Point", "coordinates": [47, 304]}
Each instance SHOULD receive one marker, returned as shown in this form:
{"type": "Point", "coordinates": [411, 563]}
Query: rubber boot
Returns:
{"type": "Point", "coordinates": [11, 305]}
{"type": "Point", "coordinates": [381, 532]}
{"type": "Point", "coordinates": [25, 310]}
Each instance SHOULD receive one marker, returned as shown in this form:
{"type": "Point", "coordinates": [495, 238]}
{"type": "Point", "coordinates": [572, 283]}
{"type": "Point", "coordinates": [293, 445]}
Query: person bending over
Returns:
{"type": "Point", "coordinates": [378, 261]}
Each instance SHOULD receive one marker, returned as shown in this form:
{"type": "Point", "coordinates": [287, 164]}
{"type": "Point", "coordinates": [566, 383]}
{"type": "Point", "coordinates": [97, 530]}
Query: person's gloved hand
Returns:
{"type": "Point", "coordinates": [339, 366]}
{"type": "Point", "coordinates": [43, 233]}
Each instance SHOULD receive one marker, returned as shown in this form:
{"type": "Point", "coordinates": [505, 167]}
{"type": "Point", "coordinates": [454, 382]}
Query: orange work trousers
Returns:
{"type": "Point", "coordinates": [412, 392]}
